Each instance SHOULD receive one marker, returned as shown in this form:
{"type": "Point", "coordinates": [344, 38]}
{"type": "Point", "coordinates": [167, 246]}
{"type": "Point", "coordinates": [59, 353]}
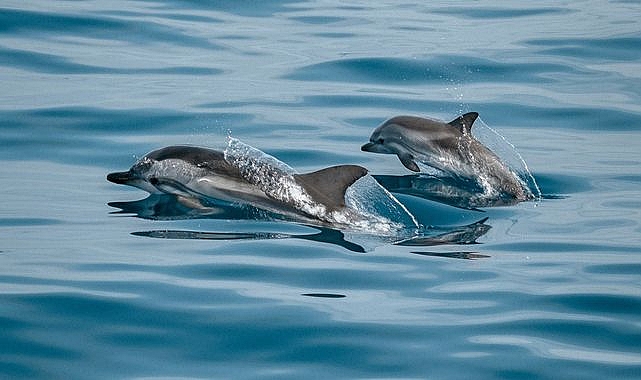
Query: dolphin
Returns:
{"type": "Point", "coordinates": [194, 173]}
{"type": "Point", "coordinates": [448, 147]}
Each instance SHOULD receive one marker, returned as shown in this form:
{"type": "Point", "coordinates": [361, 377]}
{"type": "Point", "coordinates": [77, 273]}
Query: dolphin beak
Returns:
{"type": "Point", "coordinates": [121, 178]}
{"type": "Point", "coordinates": [369, 147]}
{"type": "Point", "coordinates": [376, 147]}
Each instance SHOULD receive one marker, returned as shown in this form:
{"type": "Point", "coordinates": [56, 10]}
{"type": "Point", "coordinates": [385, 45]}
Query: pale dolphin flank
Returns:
{"type": "Point", "coordinates": [194, 172]}
{"type": "Point", "coordinates": [448, 147]}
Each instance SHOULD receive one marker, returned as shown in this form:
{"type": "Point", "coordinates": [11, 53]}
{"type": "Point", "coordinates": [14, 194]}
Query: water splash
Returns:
{"type": "Point", "coordinates": [508, 153]}
{"type": "Point", "coordinates": [368, 196]}
{"type": "Point", "coordinates": [272, 176]}
{"type": "Point", "coordinates": [369, 207]}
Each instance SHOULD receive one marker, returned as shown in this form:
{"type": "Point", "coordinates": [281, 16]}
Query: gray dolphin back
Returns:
{"type": "Point", "coordinates": [327, 186]}
{"type": "Point", "coordinates": [206, 158]}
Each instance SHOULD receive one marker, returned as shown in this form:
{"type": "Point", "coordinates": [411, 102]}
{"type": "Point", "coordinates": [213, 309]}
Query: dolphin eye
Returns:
{"type": "Point", "coordinates": [380, 141]}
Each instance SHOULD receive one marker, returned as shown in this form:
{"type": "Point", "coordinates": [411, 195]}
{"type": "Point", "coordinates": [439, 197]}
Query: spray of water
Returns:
{"type": "Point", "coordinates": [508, 154]}
{"type": "Point", "coordinates": [369, 207]}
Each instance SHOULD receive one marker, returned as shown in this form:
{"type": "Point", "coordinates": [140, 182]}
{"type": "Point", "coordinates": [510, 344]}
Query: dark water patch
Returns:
{"type": "Point", "coordinates": [375, 101]}
{"type": "Point", "coordinates": [629, 163]}
{"type": "Point", "coordinates": [93, 120]}
{"type": "Point", "coordinates": [227, 271]}
{"type": "Point", "coordinates": [83, 309]}
{"type": "Point", "coordinates": [27, 222]}
{"type": "Point", "coordinates": [114, 267]}
{"type": "Point", "coordinates": [608, 49]}
{"type": "Point", "coordinates": [573, 331]}
{"type": "Point", "coordinates": [246, 8]}
{"type": "Point", "coordinates": [562, 118]}
{"type": "Point", "coordinates": [628, 204]}
{"type": "Point", "coordinates": [49, 25]}
{"type": "Point", "coordinates": [324, 295]}
{"type": "Point", "coordinates": [600, 304]}
{"type": "Point", "coordinates": [17, 345]}
{"type": "Point", "coordinates": [200, 18]}
{"type": "Point", "coordinates": [311, 157]}
{"type": "Point", "coordinates": [439, 70]}
{"type": "Point", "coordinates": [13, 323]}
{"type": "Point", "coordinates": [317, 20]}
{"type": "Point", "coordinates": [20, 21]}
{"type": "Point", "coordinates": [480, 12]}
{"type": "Point", "coordinates": [54, 64]}
{"type": "Point", "coordinates": [558, 184]}
{"type": "Point", "coordinates": [333, 35]}
{"type": "Point", "coordinates": [301, 275]}
{"type": "Point", "coordinates": [534, 247]}
{"type": "Point", "coordinates": [73, 123]}
{"type": "Point", "coordinates": [120, 278]}
{"type": "Point", "coordinates": [627, 269]}
{"type": "Point", "coordinates": [16, 371]}
{"type": "Point", "coordinates": [629, 178]}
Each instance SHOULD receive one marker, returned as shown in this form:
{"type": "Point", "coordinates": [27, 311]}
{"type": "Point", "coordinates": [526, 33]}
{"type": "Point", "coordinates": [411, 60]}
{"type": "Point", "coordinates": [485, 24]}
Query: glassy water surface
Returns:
{"type": "Point", "coordinates": [100, 281]}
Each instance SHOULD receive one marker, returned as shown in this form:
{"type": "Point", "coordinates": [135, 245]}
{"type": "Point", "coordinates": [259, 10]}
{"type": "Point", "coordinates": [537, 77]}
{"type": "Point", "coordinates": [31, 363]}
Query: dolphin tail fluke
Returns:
{"type": "Point", "coordinates": [327, 186]}
{"type": "Point", "coordinates": [464, 122]}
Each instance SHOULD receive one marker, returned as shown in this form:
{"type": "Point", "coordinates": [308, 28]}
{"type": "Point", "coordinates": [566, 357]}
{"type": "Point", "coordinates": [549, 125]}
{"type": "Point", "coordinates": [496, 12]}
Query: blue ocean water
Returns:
{"type": "Point", "coordinates": [87, 290]}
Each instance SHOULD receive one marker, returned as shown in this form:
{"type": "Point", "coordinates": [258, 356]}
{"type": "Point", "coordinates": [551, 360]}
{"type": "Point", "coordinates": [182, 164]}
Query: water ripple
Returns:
{"type": "Point", "coordinates": [614, 49]}
{"type": "Point", "coordinates": [434, 70]}
{"type": "Point", "coordinates": [53, 64]}
{"type": "Point", "coordinates": [481, 12]}
{"type": "Point", "coordinates": [54, 25]}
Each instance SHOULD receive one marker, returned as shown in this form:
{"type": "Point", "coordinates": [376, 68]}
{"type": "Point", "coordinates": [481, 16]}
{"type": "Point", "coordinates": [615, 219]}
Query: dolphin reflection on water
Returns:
{"type": "Point", "coordinates": [168, 207]}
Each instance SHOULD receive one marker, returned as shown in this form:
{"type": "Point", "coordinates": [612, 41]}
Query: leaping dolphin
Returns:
{"type": "Point", "coordinates": [195, 172]}
{"type": "Point", "coordinates": [448, 147]}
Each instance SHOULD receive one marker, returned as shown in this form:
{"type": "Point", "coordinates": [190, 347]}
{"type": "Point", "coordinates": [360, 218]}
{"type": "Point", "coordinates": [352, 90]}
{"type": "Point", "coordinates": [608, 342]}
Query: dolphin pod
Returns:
{"type": "Point", "coordinates": [191, 173]}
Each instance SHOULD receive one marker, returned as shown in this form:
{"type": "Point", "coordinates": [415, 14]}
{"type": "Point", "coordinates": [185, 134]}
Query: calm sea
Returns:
{"type": "Point", "coordinates": [551, 291]}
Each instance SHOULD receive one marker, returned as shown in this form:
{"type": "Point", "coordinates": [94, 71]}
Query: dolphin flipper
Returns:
{"type": "Point", "coordinates": [327, 186]}
{"type": "Point", "coordinates": [408, 161]}
{"type": "Point", "coordinates": [464, 122]}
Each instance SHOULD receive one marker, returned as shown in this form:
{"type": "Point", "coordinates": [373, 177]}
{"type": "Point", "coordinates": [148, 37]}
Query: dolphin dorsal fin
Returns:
{"type": "Point", "coordinates": [327, 186]}
{"type": "Point", "coordinates": [464, 122]}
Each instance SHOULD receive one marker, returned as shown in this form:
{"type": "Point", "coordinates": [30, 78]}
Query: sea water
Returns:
{"type": "Point", "coordinates": [549, 289]}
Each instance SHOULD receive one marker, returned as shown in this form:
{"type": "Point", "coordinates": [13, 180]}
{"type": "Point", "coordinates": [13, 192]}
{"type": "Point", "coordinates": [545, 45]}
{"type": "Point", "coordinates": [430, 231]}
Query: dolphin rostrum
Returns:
{"type": "Point", "coordinates": [448, 147]}
{"type": "Point", "coordinates": [194, 172]}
